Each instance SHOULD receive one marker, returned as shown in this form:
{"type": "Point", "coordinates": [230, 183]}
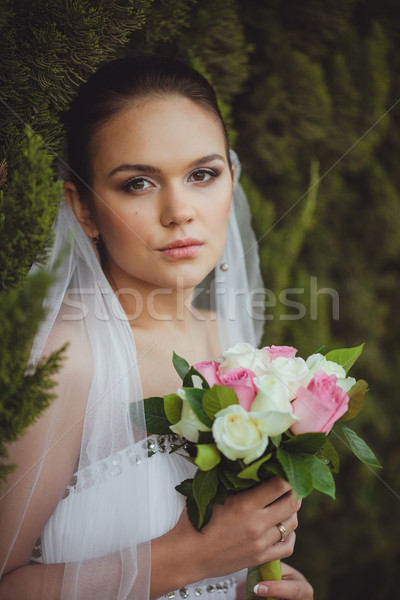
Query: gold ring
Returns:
{"type": "Point", "coordinates": [282, 531]}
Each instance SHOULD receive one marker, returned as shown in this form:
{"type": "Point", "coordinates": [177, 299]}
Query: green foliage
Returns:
{"type": "Point", "coordinates": [173, 407]}
{"type": "Point", "coordinates": [207, 457]}
{"type": "Point", "coordinates": [337, 108]}
{"type": "Point", "coordinates": [27, 210]}
{"type": "Point", "coordinates": [181, 365]}
{"type": "Point", "coordinates": [156, 419]}
{"type": "Point", "coordinates": [217, 398]}
{"type": "Point", "coordinates": [345, 357]}
{"type": "Point", "coordinates": [48, 48]}
{"type": "Point", "coordinates": [206, 34]}
{"type": "Point", "coordinates": [24, 393]}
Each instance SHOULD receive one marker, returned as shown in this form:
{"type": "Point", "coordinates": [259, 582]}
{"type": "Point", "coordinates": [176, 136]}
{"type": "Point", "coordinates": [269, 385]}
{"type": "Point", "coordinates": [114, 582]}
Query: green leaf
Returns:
{"type": "Point", "coordinates": [305, 442]}
{"type": "Point", "coordinates": [322, 477]}
{"type": "Point", "coordinates": [251, 472]}
{"type": "Point", "coordinates": [321, 350]}
{"type": "Point", "coordinates": [297, 468]}
{"type": "Point", "coordinates": [329, 453]}
{"type": "Point", "coordinates": [217, 398]}
{"type": "Point", "coordinates": [195, 396]}
{"type": "Point", "coordinates": [345, 356]}
{"type": "Point", "coordinates": [181, 365]}
{"type": "Point", "coordinates": [237, 483]}
{"type": "Point", "coordinates": [273, 467]}
{"type": "Point", "coordinates": [221, 494]}
{"type": "Point", "coordinates": [208, 456]}
{"type": "Point", "coordinates": [185, 488]}
{"type": "Point", "coordinates": [205, 437]}
{"type": "Point", "coordinates": [193, 511]}
{"type": "Point", "coordinates": [276, 440]}
{"type": "Point", "coordinates": [188, 379]}
{"type": "Point", "coordinates": [356, 399]}
{"type": "Point", "coordinates": [359, 447]}
{"type": "Point", "coordinates": [173, 408]}
{"type": "Point", "coordinates": [204, 489]}
{"type": "Point", "coordinates": [156, 419]}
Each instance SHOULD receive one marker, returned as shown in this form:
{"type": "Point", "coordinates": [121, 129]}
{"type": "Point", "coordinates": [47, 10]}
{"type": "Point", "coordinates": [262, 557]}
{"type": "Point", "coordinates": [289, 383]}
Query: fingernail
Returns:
{"type": "Point", "coordinates": [261, 589]}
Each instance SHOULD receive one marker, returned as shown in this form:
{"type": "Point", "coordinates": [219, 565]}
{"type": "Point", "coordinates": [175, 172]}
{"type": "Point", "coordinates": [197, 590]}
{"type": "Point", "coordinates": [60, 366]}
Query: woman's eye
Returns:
{"type": "Point", "coordinates": [137, 184]}
{"type": "Point", "coordinates": [203, 175]}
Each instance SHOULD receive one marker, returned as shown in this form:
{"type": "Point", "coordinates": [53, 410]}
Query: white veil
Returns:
{"type": "Point", "coordinates": [109, 558]}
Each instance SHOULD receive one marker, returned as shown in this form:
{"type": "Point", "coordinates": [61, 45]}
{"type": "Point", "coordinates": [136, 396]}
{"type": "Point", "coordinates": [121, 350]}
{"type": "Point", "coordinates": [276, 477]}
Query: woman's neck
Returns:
{"type": "Point", "coordinates": [151, 307]}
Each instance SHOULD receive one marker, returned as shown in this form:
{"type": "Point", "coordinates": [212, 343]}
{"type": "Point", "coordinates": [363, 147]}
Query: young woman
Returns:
{"type": "Point", "coordinates": [157, 256]}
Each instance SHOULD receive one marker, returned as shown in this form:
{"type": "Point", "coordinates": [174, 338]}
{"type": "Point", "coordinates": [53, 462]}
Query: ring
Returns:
{"type": "Point", "coordinates": [282, 531]}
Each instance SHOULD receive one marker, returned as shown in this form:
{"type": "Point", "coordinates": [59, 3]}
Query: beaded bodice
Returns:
{"type": "Point", "coordinates": [93, 488]}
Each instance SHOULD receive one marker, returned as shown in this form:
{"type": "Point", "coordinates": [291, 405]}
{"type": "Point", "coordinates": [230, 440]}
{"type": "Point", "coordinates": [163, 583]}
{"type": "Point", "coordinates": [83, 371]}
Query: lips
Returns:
{"type": "Point", "coordinates": [182, 248]}
{"type": "Point", "coordinates": [182, 243]}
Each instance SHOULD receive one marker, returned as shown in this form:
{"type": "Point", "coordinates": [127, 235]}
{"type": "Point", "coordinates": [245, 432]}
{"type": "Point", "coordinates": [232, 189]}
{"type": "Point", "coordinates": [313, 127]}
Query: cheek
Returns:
{"type": "Point", "coordinates": [123, 228]}
{"type": "Point", "coordinates": [220, 217]}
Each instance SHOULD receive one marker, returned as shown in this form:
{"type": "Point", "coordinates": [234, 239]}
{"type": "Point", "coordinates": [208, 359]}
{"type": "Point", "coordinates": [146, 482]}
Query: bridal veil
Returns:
{"type": "Point", "coordinates": [102, 530]}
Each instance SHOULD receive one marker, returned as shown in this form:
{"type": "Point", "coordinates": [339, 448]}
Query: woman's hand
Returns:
{"type": "Point", "coordinates": [241, 533]}
{"type": "Point", "coordinates": [292, 586]}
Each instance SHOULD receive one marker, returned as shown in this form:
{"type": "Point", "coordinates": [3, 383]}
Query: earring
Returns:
{"type": "Point", "coordinates": [95, 239]}
{"type": "Point", "coordinates": [224, 266]}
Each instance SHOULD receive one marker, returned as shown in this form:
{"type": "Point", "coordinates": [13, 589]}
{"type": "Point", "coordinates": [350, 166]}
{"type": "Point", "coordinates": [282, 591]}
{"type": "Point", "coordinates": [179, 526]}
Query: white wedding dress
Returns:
{"type": "Point", "coordinates": [107, 484]}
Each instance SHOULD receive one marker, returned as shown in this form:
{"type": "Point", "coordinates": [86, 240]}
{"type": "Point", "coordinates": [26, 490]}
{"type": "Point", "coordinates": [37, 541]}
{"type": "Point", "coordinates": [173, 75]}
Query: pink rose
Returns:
{"type": "Point", "coordinates": [240, 380]}
{"type": "Point", "coordinates": [209, 370]}
{"type": "Point", "coordinates": [319, 405]}
{"type": "Point", "coordinates": [285, 351]}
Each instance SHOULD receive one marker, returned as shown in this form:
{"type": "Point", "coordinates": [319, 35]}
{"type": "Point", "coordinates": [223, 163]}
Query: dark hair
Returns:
{"type": "Point", "coordinates": [113, 87]}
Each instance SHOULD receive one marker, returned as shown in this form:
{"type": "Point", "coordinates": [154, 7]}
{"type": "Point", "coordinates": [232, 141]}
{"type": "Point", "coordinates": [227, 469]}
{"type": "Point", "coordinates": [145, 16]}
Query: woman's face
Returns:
{"type": "Point", "coordinates": [162, 193]}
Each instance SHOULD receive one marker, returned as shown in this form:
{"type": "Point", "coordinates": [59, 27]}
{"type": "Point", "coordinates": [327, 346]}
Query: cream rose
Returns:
{"type": "Point", "coordinates": [189, 424]}
{"type": "Point", "coordinates": [293, 371]}
{"type": "Point", "coordinates": [271, 408]}
{"type": "Point", "coordinates": [246, 356]}
{"type": "Point", "coordinates": [237, 435]}
{"type": "Point", "coordinates": [318, 362]}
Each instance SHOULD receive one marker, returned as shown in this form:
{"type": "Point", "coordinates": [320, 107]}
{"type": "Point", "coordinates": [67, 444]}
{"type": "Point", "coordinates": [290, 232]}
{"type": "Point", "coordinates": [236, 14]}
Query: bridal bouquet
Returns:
{"type": "Point", "coordinates": [257, 413]}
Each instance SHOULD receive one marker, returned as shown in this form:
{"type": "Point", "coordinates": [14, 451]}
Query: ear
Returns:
{"type": "Point", "coordinates": [81, 209]}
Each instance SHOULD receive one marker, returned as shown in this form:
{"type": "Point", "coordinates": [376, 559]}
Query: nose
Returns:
{"type": "Point", "coordinates": [177, 206]}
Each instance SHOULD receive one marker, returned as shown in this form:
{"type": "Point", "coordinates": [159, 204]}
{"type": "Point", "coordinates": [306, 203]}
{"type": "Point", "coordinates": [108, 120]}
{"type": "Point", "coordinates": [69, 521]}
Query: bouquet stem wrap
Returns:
{"type": "Point", "coordinates": [270, 571]}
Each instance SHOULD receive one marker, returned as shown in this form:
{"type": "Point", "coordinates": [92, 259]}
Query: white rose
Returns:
{"type": "Point", "coordinates": [318, 362]}
{"type": "Point", "coordinates": [246, 356]}
{"type": "Point", "coordinates": [346, 383]}
{"type": "Point", "coordinates": [293, 372]}
{"type": "Point", "coordinates": [237, 435]}
{"type": "Point", "coordinates": [189, 424]}
{"type": "Point", "coordinates": [271, 407]}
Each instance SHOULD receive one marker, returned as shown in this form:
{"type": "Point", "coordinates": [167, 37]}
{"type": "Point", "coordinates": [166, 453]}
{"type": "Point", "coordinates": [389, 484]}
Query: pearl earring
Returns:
{"type": "Point", "coordinates": [224, 266]}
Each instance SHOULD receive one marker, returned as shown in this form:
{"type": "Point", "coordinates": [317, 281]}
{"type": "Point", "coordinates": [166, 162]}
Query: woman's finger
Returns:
{"type": "Point", "coordinates": [292, 586]}
{"type": "Point", "coordinates": [266, 493]}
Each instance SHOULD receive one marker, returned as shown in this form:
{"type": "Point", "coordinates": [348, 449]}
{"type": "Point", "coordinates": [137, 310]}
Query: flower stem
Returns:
{"type": "Point", "coordinates": [270, 571]}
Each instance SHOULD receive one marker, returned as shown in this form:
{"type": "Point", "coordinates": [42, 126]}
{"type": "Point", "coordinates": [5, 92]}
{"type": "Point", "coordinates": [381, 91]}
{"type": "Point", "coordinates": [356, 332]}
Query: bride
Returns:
{"type": "Point", "coordinates": [153, 253]}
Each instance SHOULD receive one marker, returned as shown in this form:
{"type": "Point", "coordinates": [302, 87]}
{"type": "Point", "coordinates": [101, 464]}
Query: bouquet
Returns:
{"type": "Point", "coordinates": [258, 413]}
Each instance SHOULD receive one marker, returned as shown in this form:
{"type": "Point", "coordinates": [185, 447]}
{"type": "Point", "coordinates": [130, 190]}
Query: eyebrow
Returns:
{"type": "Point", "coordinates": [149, 169]}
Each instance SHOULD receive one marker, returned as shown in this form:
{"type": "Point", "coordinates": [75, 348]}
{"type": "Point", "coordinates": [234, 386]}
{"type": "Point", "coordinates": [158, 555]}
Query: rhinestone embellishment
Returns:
{"type": "Point", "coordinates": [190, 592]}
{"type": "Point", "coordinates": [114, 465]}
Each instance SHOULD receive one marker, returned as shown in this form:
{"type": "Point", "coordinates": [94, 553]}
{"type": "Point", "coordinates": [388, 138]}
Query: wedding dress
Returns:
{"type": "Point", "coordinates": [122, 493]}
